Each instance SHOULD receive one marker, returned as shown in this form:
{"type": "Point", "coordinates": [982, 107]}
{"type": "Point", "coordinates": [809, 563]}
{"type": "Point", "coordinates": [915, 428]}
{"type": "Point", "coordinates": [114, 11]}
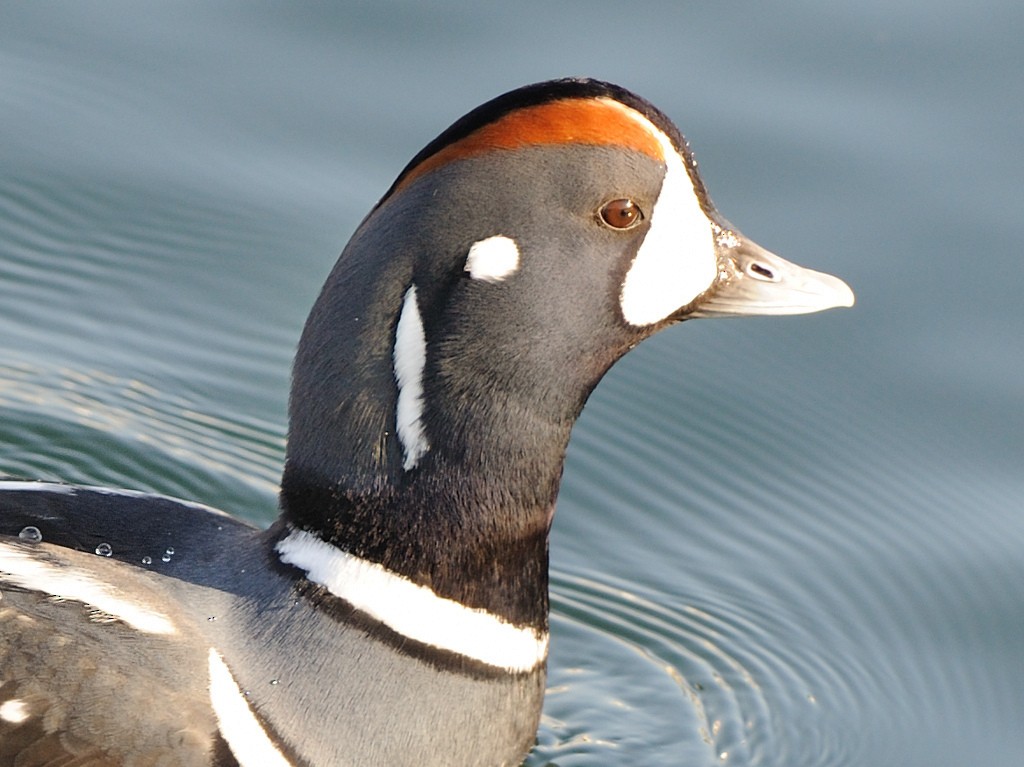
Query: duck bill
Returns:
{"type": "Point", "coordinates": [753, 281]}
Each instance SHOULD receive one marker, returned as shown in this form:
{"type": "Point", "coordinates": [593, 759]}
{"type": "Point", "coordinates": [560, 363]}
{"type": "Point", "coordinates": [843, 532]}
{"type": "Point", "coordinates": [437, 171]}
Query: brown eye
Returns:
{"type": "Point", "coordinates": [621, 214]}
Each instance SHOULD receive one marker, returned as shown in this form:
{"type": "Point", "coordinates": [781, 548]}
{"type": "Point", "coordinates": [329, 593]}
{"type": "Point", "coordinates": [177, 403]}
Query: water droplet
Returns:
{"type": "Point", "coordinates": [147, 560]}
{"type": "Point", "coordinates": [104, 550]}
{"type": "Point", "coordinates": [169, 551]}
{"type": "Point", "coordinates": [165, 558]}
{"type": "Point", "coordinates": [212, 618]}
{"type": "Point", "coordinates": [30, 534]}
{"type": "Point", "coordinates": [273, 681]}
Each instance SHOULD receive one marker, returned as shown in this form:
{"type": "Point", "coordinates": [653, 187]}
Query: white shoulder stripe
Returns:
{"type": "Point", "coordinates": [410, 357]}
{"type": "Point", "coordinates": [412, 610]}
{"type": "Point", "coordinates": [245, 736]}
{"type": "Point", "coordinates": [20, 568]}
{"type": "Point", "coordinates": [20, 485]}
{"type": "Point", "coordinates": [42, 486]}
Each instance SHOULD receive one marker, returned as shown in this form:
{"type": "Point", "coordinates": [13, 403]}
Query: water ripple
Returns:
{"type": "Point", "coordinates": [638, 677]}
{"type": "Point", "coordinates": [88, 426]}
{"type": "Point", "coordinates": [843, 573]}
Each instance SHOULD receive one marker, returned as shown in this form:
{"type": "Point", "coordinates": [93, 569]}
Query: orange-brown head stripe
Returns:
{"type": "Point", "coordinates": [593, 121]}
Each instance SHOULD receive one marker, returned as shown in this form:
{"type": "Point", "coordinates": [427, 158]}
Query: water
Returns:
{"type": "Point", "coordinates": [30, 534]}
{"type": "Point", "coordinates": [779, 542]}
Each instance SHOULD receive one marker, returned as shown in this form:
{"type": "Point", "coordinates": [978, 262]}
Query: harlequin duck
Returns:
{"type": "Point", "coordinates": [397, 611]}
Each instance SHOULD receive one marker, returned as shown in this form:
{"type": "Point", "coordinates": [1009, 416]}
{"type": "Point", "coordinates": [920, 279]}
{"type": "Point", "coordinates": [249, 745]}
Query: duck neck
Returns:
{"type": "Point", "coordinates": [427, 433]}
{"type": "Point", "coordinates": [470, 520]}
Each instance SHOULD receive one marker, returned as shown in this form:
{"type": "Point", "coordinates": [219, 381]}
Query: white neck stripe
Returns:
{"type": "Point", "coordinates": [242, 731]}
{"type": "Point", "coordinates": [409, 358]}
{"type": "Point", "coordinates": [412, 610]}
{"type": "Point", "coordinates": [19, 567]}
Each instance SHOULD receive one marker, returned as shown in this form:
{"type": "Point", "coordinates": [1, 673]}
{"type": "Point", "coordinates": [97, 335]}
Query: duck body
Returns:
{"type": "Point", "coordinates": [186, 582]}
{"type": "Point", "coordinates": [397, 611]}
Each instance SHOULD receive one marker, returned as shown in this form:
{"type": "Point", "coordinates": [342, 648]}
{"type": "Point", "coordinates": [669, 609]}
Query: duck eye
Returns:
{"type": "Point", "coordinates": [621, 214]}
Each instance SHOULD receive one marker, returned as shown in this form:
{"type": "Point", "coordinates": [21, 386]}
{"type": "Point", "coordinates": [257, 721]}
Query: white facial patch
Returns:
{"type": "Point", "coordinates": [412, 610]}
{"type": "Point", "coordinates": [493, 259]}
{"type": "Point", "coordinates": [242, 731]}
{"type": "Point", "coordinates": [410, 357]}
{"type": "Point", "coordinates": [676, 261]}
{"type": "Point", "coordinates": [20, 568]}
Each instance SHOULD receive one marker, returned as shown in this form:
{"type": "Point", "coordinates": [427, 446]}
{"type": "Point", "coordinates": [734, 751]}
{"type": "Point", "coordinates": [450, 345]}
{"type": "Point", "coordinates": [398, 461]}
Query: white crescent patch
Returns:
{"type": "Point", "coordinates": [676, 261]}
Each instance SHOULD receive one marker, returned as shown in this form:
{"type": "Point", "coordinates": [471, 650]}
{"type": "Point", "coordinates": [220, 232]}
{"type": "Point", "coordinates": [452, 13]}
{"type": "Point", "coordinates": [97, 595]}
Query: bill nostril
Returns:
{"type": "Point", "coordinates": [761, 272]}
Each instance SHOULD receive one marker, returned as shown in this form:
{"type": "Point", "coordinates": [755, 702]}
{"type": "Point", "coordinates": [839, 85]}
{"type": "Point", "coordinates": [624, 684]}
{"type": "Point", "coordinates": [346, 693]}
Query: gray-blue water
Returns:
{"type": "Point", "coordinates": [783, 542]}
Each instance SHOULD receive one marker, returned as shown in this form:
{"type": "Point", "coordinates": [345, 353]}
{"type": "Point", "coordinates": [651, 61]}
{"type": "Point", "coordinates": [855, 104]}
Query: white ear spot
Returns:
{"type": "Point", "coordinates": [493, 259]}
{"type": "Point", "coordinates": [676, 261]}
{"type": "Point", "coordinates": [410, 357]}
